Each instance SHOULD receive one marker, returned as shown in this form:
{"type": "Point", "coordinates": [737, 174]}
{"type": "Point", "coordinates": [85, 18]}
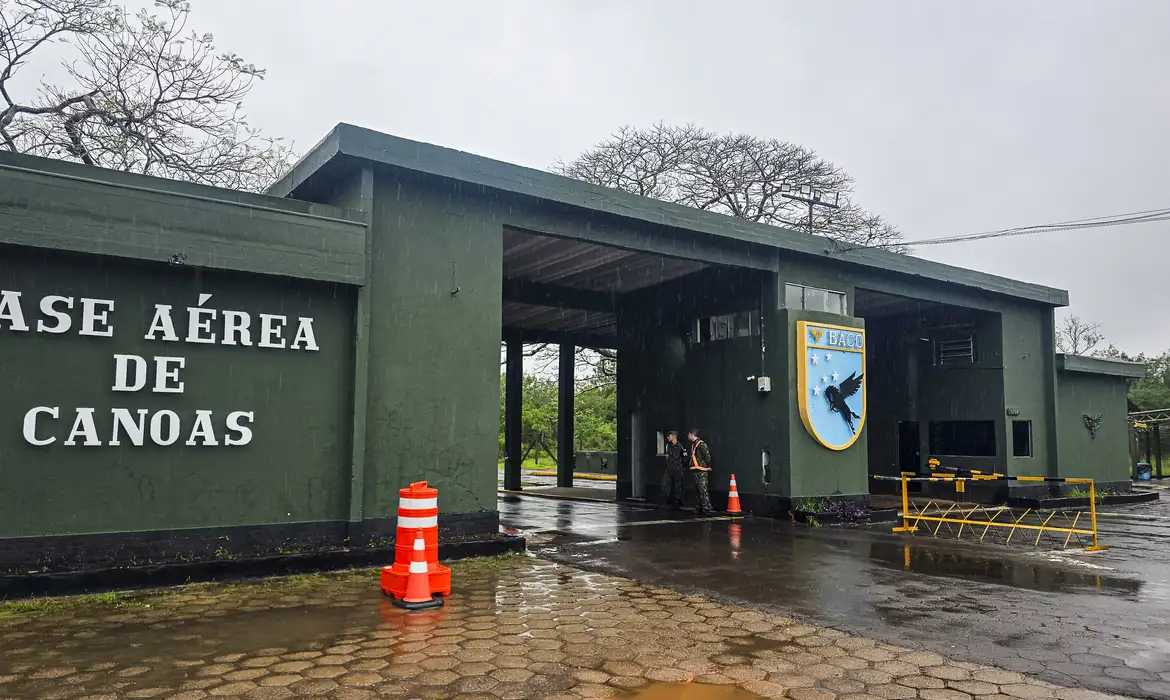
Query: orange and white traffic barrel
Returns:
{"type": "Point", "coordinates": [418, 510]}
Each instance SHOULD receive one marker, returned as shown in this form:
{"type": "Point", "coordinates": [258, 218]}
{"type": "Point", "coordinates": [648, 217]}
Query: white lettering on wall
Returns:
{"type": "Point", "coordinates": [135, 429]}
{"type": "Point", "coordinates": [305, 337]}
{"type": "Point", "coordinates": [95, 317]}
{"type": "Point", "coordinates": [166, 375]}
{"type": "Point", "coordinates": [49, 310]}
{"type": "Point", "coordinates": [204, 325]}
{"type": "Point", "coordinates": [235, 328]}
{"type": "Point", "coordinates": [162, 323]}
{"type": "Point", "coordinates": [83, 426]}
{"type": "Point", "coordinates": [11, 312]}
{"type": "Point", "coordinates": [164, 428]}
{"type": "Point", "coordinates": [131, 427]}
{"type": "Point", "coordinates": [122, 370]}
{"type": "Point", "coordinates": [199, 322]}
{"type": "Point", "coordinates": [270, 328]}
{"type": "Point", "coordinates": [235, 422]}
{"type": "Point", "coordinates": [30, 425]}
{"type": "Point", "coordinates": [204, 432]}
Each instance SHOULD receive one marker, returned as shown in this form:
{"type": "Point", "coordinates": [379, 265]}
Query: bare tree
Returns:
{"type": "Point", "coordinates": [144, 94]}
{"type": "Point", "coordinates": [1075, 337]}
{"type": "Point", "coordinates": [594, 369]}
{"type": "Point", "coordinates": [733, 174]}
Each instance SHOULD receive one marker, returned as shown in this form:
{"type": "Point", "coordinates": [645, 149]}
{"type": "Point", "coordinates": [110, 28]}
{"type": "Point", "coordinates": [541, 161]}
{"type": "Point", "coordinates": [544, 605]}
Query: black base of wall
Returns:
{"type": "Point", "coordinates": [65, 553]}
{"type": "Point", "coordinates": [763, 505]}
{"type": "Point", "coordinates": [884, 515]}
{"type": "Point", "coordinates": [97, 580]}
{"type": "Point", "coordinates": [773, 506]}
{"type": "Point", "coordinates": [1063, 502]}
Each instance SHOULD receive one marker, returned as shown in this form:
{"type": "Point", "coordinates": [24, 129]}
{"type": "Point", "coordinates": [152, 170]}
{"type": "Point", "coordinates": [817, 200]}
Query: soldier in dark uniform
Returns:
{"type": "Point", "coordinates": [700, 469]}
{"type": "Point", "coordinates": [676, 467]}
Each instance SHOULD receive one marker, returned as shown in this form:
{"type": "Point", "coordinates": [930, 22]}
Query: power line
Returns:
{"type": "Point", "coordinates": [1128, 219]}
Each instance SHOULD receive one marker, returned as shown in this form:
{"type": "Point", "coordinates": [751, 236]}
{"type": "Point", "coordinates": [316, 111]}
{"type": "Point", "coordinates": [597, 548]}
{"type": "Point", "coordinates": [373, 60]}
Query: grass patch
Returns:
{"type": "Point", "coordinates": [119, 600]}
{"type": "Point", "coordinates": [277, 583]}
{"type": "Point", "coordinates": [810, 505]}
{"type": "Point", "coordinates": [531, 464]}
{"type": "Point", "coordinates": [1081, 492]}
{"type": "Point", "coordinates": [323, 577]}
{"type": "Point", "coordinates": [483, 565]}
{"type": "Point", "coordinates": [45, 606]}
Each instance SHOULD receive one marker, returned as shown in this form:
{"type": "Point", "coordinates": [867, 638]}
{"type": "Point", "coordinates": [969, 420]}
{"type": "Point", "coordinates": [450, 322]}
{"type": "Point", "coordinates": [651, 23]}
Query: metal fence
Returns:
{"type": "Point", "coordinates": [1001, 524]}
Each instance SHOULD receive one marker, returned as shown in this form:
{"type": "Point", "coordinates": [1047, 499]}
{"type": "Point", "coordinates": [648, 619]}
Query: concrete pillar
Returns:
{"type": "Point", "coordinates": [566, 388]}
{"type": "Point", "coordinates": [513, 412]}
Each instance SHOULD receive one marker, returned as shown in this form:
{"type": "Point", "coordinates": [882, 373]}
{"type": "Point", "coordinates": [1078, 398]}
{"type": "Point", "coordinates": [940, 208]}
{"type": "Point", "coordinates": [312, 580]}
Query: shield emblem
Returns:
{"type": "Point", "coordinates": [831, 380]}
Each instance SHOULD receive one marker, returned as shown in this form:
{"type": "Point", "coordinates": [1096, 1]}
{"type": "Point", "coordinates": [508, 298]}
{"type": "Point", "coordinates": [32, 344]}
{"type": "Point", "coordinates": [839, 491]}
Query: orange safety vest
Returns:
{"type": "Point", "coordinates": [695, 457]}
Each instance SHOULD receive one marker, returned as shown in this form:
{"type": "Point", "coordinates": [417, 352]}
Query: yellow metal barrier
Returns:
{"type": "Point", "coordinates": [1001, 523]}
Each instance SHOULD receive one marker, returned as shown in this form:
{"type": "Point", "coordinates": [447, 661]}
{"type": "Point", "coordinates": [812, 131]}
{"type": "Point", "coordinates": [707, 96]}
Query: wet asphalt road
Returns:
{"type": "Point", "coordinates": [1097, 620]}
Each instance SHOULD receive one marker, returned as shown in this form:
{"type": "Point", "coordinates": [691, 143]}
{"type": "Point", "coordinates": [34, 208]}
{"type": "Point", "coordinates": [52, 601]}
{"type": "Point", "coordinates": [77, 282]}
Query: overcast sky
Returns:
{"type": "Point", "coordinates": [953, 117]}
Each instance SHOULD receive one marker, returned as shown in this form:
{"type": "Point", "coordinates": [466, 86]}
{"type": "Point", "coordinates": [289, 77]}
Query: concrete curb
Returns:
{"type": "Point", "coordinates": [1056, 503]}
{"type": "Point", "coordinates": [100, 580]}
{"type": "Point", "coordinates": [586, 477]}
{"type": "Point", "coordinates": [555, 497]}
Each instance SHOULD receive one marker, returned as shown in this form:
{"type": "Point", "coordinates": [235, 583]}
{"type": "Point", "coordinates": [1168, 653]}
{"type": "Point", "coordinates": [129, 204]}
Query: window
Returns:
{"type": "Point", "coordinates": [793, 296]}
{"type": "Point", "coordinates": [740, 324]}
{"type": "Point", "coordinates": [813, 299]}
{"type": "Point", "coordinates": [1021, 438]}
{"type": "Point", "coordinates": [954, 350]}
{"type": "Point", "coordinates": [962, 438]}
{"type": "Point", "coordinates": [659, 443]}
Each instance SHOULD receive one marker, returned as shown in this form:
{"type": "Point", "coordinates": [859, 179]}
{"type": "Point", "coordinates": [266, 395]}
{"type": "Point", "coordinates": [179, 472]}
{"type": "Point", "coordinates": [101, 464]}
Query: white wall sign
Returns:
{"type": "Point", "coordinates": [160, 374]}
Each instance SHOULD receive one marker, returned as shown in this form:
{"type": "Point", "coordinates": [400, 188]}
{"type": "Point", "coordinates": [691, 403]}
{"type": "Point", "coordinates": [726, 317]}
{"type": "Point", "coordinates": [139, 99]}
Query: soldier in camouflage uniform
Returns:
{"type": "Point", "coordinates": [700, 469]}
{"type": "Point", "coordinates": [672, 476]}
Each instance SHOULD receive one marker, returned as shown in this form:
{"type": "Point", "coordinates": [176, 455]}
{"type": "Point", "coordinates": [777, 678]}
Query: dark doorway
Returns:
{"type": "Point", "coordinates": [909, 447]}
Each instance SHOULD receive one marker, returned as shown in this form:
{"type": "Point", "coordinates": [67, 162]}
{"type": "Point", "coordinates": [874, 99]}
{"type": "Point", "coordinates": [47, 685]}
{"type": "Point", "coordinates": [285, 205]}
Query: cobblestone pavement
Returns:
{"type": "Point", "coordinates": [515, 628]}
{"type": "Point", "coordinates": [1097, 620]}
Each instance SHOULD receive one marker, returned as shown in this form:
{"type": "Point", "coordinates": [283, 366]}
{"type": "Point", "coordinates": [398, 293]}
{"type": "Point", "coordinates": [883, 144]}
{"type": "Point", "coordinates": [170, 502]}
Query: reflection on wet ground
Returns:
{"type": "Point", "coordinates": [513, 629]}
{"type": "Point", "coordinates": [529, 479]}
{"type": "Point", "coordinates": [1095, 619]}
{"type": "Point", "coordinates": [830, 612]}
{"type": "Point", "coordinates": [675, 691]}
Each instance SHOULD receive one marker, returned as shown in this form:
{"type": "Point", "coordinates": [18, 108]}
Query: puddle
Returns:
{"type": "Point", "coordinates": [689, 691]}
{"type": "Point", "coordinates": [1056, 572]}
{"type": "Point", "coordinates": [177, 645]}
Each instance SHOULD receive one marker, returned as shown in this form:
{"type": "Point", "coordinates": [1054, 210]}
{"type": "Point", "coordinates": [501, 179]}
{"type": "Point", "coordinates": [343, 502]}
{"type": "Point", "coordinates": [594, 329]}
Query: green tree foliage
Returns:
{"type": "Point", "coordinates": [595, 409]}
{"type": "Point", "coordinates": [596, 424]}
{"type": "Point", "coordinates": [1151, 392]}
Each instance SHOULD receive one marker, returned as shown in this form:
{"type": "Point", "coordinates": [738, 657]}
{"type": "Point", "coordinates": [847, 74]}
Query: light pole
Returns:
{"type": "Point", "coordinates": [812, 197]}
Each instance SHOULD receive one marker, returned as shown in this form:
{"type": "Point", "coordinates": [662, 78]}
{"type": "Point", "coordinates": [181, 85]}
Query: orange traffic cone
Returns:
{"type": "Point", "coordinates": [733, 499]}
{"type": "Point", "coordinates": [418, 582]}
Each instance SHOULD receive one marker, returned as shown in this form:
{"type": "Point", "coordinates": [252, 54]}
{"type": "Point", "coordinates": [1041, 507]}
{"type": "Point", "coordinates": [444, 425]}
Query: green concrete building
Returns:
{"type": "Point", "coordinates": [1090, 392]}
{"type": "Point", "coordinates": [186, 370]}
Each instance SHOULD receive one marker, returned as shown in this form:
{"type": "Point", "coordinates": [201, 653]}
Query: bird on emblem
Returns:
{"type": "Point", "coordinates": [836, 396]}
